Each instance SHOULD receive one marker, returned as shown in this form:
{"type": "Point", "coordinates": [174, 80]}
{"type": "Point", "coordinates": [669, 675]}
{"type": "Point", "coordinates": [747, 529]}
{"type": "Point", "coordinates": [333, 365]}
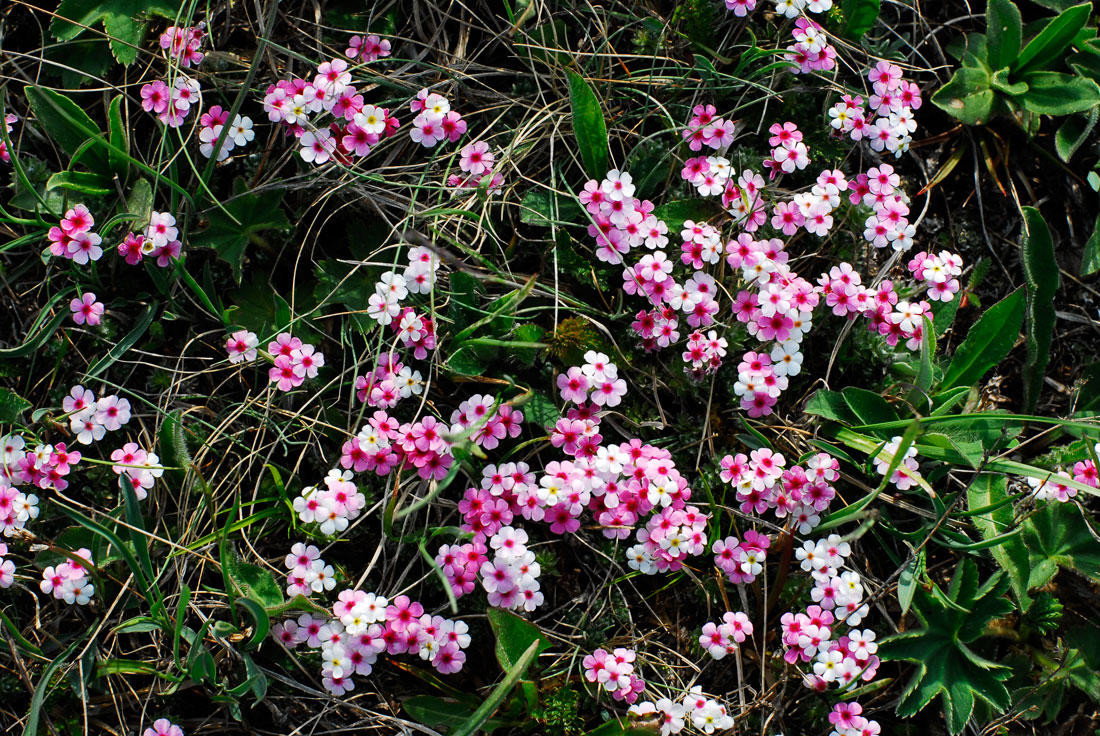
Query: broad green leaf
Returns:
{"type": "Point", "coordinates": [259, 615]}
{"type": "Point", "coordinates": [540, 410]}
{"type": "Point", "coordinates": [139, 203]}
{"type": "Point", "coordinates": [246, 215]}
{"type": "Point", "coordinates": [987, 343]}
{"type": "Point", "coordinates": [12, 405]}
{"type": "Point", "coordinates": [968, 97]}
{"type": "Point", "coordinates": [438, 712]}
{"type": "Point", "coordinates": [82, 182]}
{"type": "Point", "coordinates": [1041, 272]}
{"type": "Point", "coordinates": [945, 664]}
{"type": "Point", "coordinates": [124, 21]}
{"type": "Point", "coordinates": [868, 406]}
{"type": "Point", "coordinates": [465, 362]}
{"type": "Point", "coordinates": [514, 635]}
{"type": "Point", "coordinates": [1073, 133]}
{"type": "Point", "coordinates": [543, 207]}
{"type": "Point", "coordinates": [1090, 260]}
{"type": "Point", "coordinates": [118, 133]}
{"type": "Point", "coordinates": [589, 126]}
{"type": "Point", "coordinates": [1052, 42]}
{"type": "Point", "coordinates": [68, 125]}
{"type": "Point", "coordinates": [1058, 536]}
{"type": "Point", "coordinates": [1004, 33]}
{"type": "Point", "coordinates": [255, 582]}
{"type": "Point", "coordinates": [988, 495]}
{"type": "Point", "coordinates": [678, 211]}
{"type": "Point", "coordinates": [859, 17]}
{"type": "Point", "coordinates": [496, 697]}
{"type": "Point", "coordinates": [1054, 93]}
{"type": "Point", "coordinates": [831, 405]}
{"type": "Point", "coordinates": [1000, 82]}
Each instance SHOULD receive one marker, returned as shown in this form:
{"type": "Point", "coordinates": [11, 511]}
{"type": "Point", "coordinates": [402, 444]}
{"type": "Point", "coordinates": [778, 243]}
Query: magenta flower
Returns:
{"type": "Point", "coordinates": [86, 309]}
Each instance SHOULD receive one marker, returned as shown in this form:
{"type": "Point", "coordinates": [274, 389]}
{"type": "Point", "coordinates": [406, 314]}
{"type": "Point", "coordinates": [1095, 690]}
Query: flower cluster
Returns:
{"type": "Point", "coordinates": [295, 361]}
{"type": "Point", "coordinates": [364, 625]}
{"type": "Point", "coordinates": [307, 572]}
{"type": "Point", "coordinates": [9, 120]}
{"type": "Point", "coordinates": [889, 316]}
{"type": "Point", "coordinates": [704, 353]}
{"type": "Point", "coordinates": [614, 672]}
{"type": "Point", "coordinates": [597, 379]}
{"type": "Point", "coordinates": [354, 127]}
{"type": "Point", "coordinates": [707, 129]}
{"type": "Point", "coordinates": [242, 346]}
{"type": "Point", "coordinates": [907, 473]}
{"type": "Point", "coordinates": [762, 482]}
{"type": "Point", "coordinates": [159, 240]}
{"type": "Point", "coordinates": [171, 104]}
{"type": "Point", "coordinates": [90, 419]}
{"type": "Point", "coordinates": [136, 466]}
{"type": "Point", "coordinates": [671, 535]}
{"type": "Point", "coordinates": [789, 152]}
{"type": "Point", "coordinates": [794, 8]}
{"type": "Point", "coordinates": [371, 48]}
{"type": "Point", "coordinates": [619, 220]}
{"type": "Point", "coordinates": [212, 124]}
{"type": "Point", "coordinates": [384, 305]}
{"type": "Point", "coordinates": [704, 713]}
{"type": "Point", "coordinates": [182, 44]}
{"type": "Point", "coordinates": [888, 124]}
{"type": "Point", "coordinates": [811, 49]}
{"type": "Point", "coordinates": [86, 310]}
{"type": "Point", "coordinates": [847, 721]}
{"type": "Point", "coordinates": [741, 561]}
{"type": "Point", "coordinates": [332, 507]}
{"type": "Point", "coordinates": [17, 507]}
{"type": "Point", "coordinates": [389, 382]}
{"type": "Point", "coordinates": [73, 237]}
{"type": "Point", "coordinates": [722, 639]}
{"type": "Point", "coordinates": [383, 444]}
{"type": "Point", "coordinates": [68, 581]}
{"type": "Point", "coordinates": [838, 600]}
{"type": "Point", "coordinates": [435, 121]}
{"type": "Point", "coordinates": [476, 162]}
{"type": "Point", "coordinates": [511, 578]}
{"type": "Point", "coordinates": [939, 273]}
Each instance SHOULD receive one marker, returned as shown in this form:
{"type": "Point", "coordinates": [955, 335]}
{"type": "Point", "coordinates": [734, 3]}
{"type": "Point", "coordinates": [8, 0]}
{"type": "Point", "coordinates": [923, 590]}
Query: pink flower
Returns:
{"type": "Point", "coordinates": [427, 129]}
{"type": "Point", "coordinates": [242, 346]}
{"type": "Point", "coordinates": [285, 374]}
{"type": "Point", "coordinates": [131, 248]}
{"type": "Point", "coordinates": [86, 309]}
{"type": "Point", "coordinates": [163, 727]}
{"type": "Point", "coordinates": [476, 158]}
{"type": "Point", "coordinates": [573, 385]}
{"type": "Point", "coordinates": [154, 97]}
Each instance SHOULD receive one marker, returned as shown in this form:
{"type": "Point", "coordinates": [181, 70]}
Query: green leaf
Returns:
{"type": "Point", "coordinates": [259, 615]}
{"type": "Point", "coordinates": [69, 126]}
{"type": "Point", "coordinates": [514, 635]}
{"type": "Point", "coordinates": [119, 349]}
{"type": "Point", "coordinates": [988, 495]}
{"type": "Point", "coordinates": [1053, 41]}
{"type": "Point", "coordinates": [1090, 260]}
{"type": "Point", "coordinates": [255, 582]}
{"type": "Point", "coordinates": [968, 97]}
{"type": "Point", "coordinates": [831, 405]}
{"type": "Point", "coordinates": [123, 20]}
{"type": "Point", "coordinates": [11, 406]}
{"type": "Point", "coordinates": [868, 406]}
{"type": "Point", "coordinates": [139, 202]}
{"type": "Point", "coordinates": [909, 581]}
{"type": "Point", "coordinates": [543, 207]}
{"type": "Point", "coordinates": [678, 211]}
{"type": "Point", "coordinates": [1054, 93]}
{"type": "Point", "coordinates": [1073, 133]}
{"type": "Point", "coordinates": [987, 343]}
{"type": "Point", "coordinates": [1058, 536]}
{"type": "Point", "coordinates": [859, 17]}
{"type": "Point", "coordinates": [1004, 33]}
{"type": "Point", "coordinates": [540, 410]}
{"type": "Point", "coordinates": [83, 182]}
{"type": "Point", "coordinates": [244, 217]}
{"type": "Point", "coordinates": [438, 712]}
{"type": "Point", "coordinates": [946, 666]}
{"type": "Point", "coordinates": [118, 133]}
{"type": "Point", "coordinates": [496, 697]}
{"type": "Point", "coordinates": [1041, 272]}
{"type": "Point", "coordinates": [43, 687]}
{"type": "Point", "coordinates": [589, 126]}
{"type": "Point", "coordinates": [466, 362]}
{"type": "Point", "coordinates": [1000, 82]}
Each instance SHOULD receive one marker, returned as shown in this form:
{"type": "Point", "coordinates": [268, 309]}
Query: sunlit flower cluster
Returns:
{"type": "Point", "coordinates": [614, 672]}
{"type": "Point", "coordinates": [939, 273]}
{"type": "Point", "coordinates": [333, 506]}
{"type": "Point", "coordinates": [721, 639]}
{"type": "Point", "coordinates": [68, 581]}
{"type": "Point", "coordinates": [182, 43]}
{"type": "Point", "coordinates": [294, 361]}
{"type": "Point", "coordinates": [212, 124]}
{"type": "Point", "coordinates": [139, 467]}
{"type": "Point", "coordinates": [762, 482]}
{"type": "Point", "coordinates": [435, 121]}
{"type": "Point", "coordinates": [703, 713]}
{"type": "Point", "coordinates": [74, 239]}
{"type": "Point", "coordinates": [171, 103]}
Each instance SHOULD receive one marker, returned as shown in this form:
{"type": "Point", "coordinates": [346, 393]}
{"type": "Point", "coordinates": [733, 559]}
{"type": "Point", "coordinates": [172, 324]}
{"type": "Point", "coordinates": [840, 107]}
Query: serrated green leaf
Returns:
{"type": "Point", "coordinates": [1041, 273]}
{"type": "Point", "coordinates": [589, 126]}
{"type": "Point", "coordinates": [245, 215]}
{"type": "Point", "coordinates": [123, 20]}
{"type": "Point", "coordinates": [1058, 536]}
{"type": "Point", "coordinates": [987, 344]}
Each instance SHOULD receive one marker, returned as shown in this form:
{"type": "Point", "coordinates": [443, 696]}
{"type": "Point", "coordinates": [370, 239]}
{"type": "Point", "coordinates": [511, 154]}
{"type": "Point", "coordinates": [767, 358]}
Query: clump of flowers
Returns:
{"type": "Point", "coordinates": [371, 48]}
{"type": "Point", "coordinates": [889, 123]}
{"type": "Point", "coordinates": [614, 672]}
{"type": "Point", "coordinates": [762, 482]}
{"type": "Point", "coordinates": [74, 239]}
{"type": "Point", "coordinates": [939, 273]}
{"type": "Point", "coordinates": [171, 103]}
{"type": "Point", "coordinates": [703, 713]}
{"type": "Point", "coordinates": [476, 162]}
{"type": "Point", "coordinates": [307, 572]}
{"type": "Point", "coordinates": [182, 43]}
{"type": "Point", "coordinates": [811, 49]}
{"type": "Point", "coordinates": [435, 121]}
{"type": "Point", "coordinates": [721, 639]}
{"type": "Point", "coordinates": [138, 467]}
{"type": "Point", "coordinates": [333, 506]}
{"type": "Point", "coordinates": [213, 122]}
{"type": "Point", "coordinates": [68, 581]}
{"type": "Point", "coordinates": [294, 361]}
{"type": "Point", "coordinates": [907, 473]}
{"type": "Point", "coordinates": [91, 419]}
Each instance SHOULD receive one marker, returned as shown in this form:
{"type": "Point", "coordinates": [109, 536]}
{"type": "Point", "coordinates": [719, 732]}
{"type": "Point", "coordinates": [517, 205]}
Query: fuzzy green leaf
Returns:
{"type": "Point", "coordinates": [1041, 271]}
{"type": "Point", "coordinates": [968, 97]}
{"type": "Point", "coordinates": [1054, 93]}
{"type": "Point", "coordinates": [514, 635]}
{"type": "Point", "coordinates": [987, 344]}
{"type": "Point", "coordinates": [69, 127]}
{"type": "Point", "coordinates": [589, 126]}
{"type": "Point", "coordinates": [1053, 41]}
{"type": "Point", "coordinates": [1004, 33]}
{"type": "Point", "coordinates": [1073, 133]}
